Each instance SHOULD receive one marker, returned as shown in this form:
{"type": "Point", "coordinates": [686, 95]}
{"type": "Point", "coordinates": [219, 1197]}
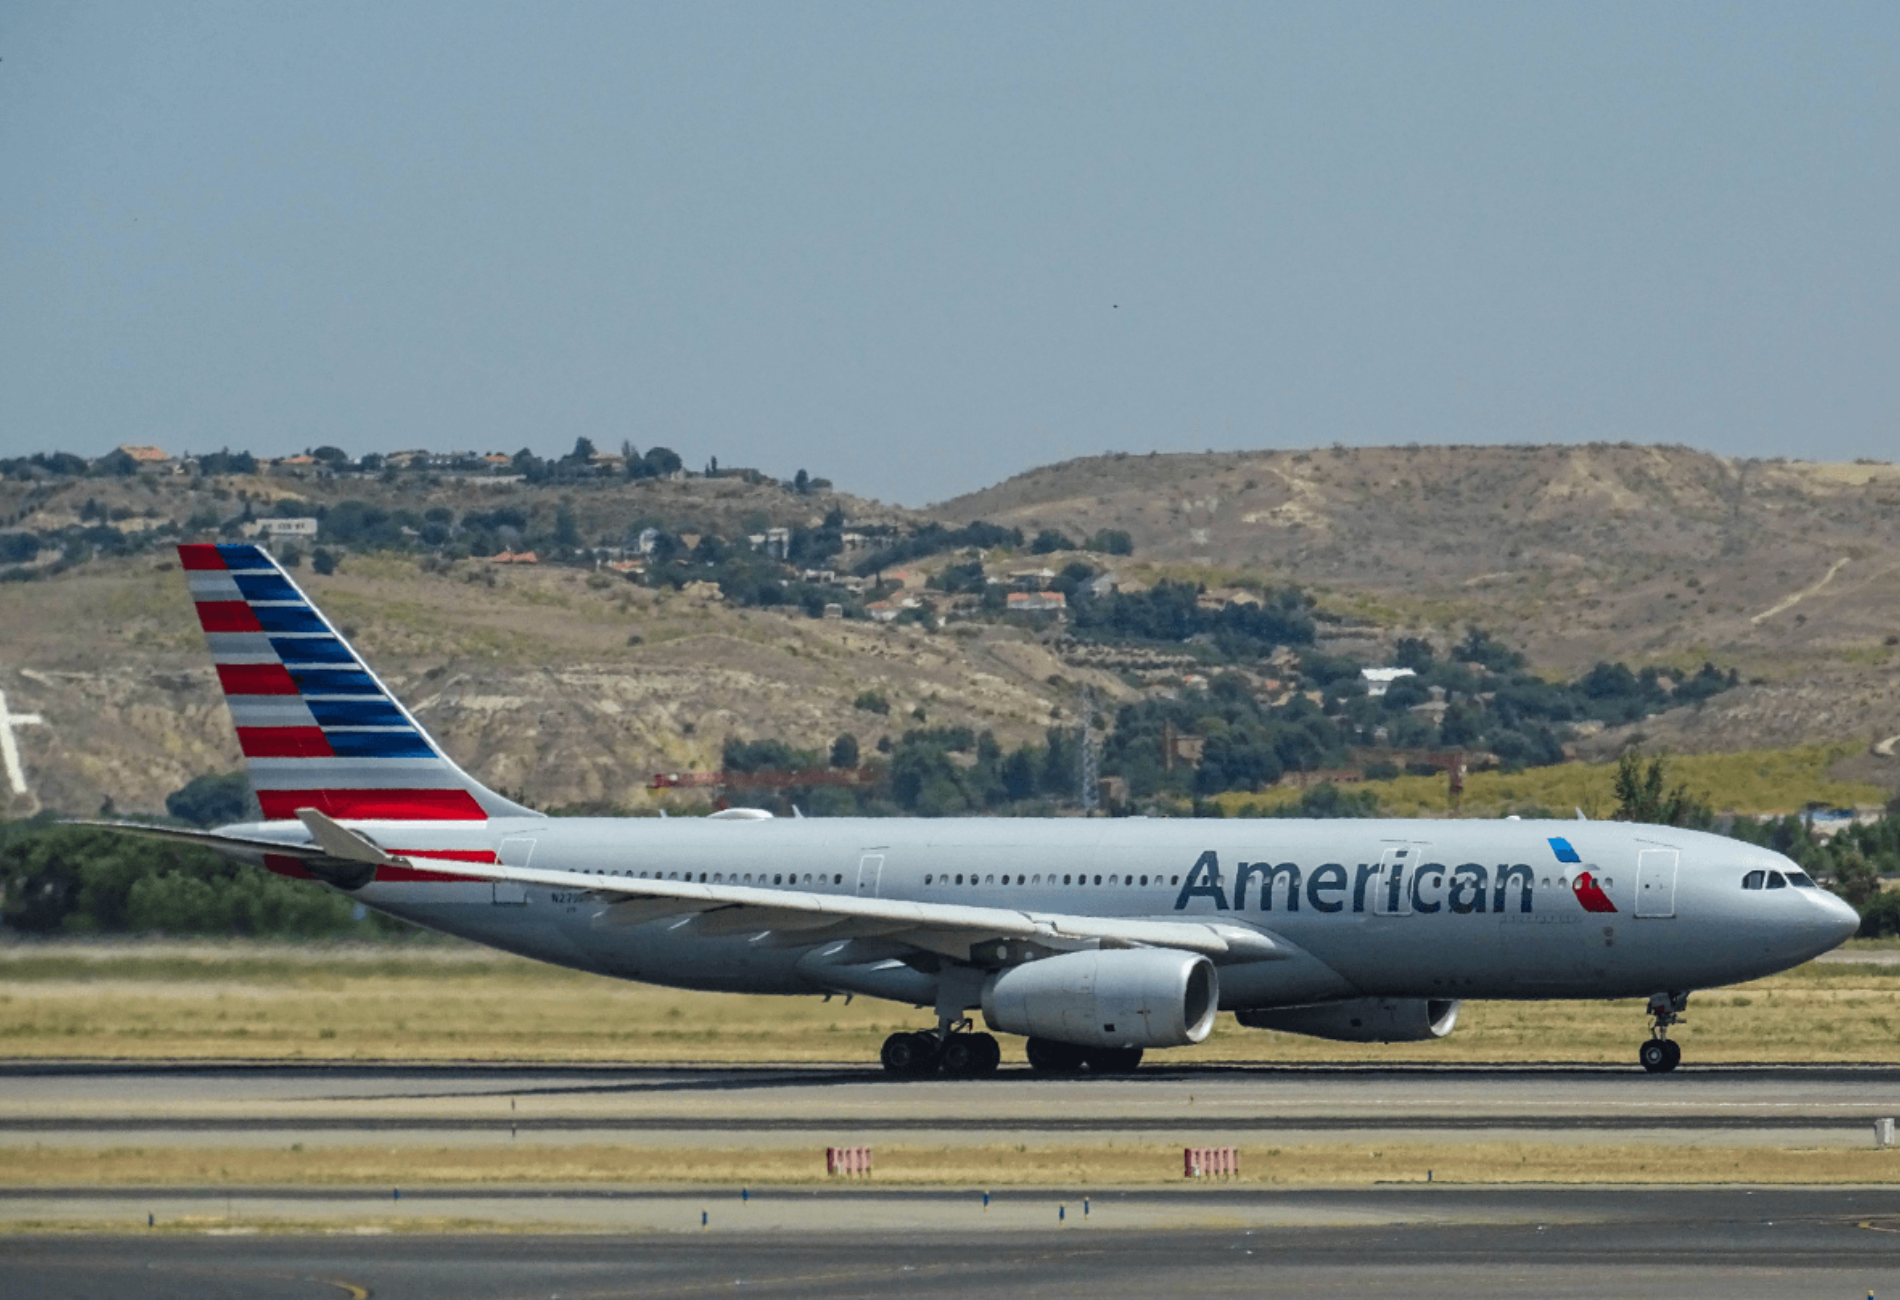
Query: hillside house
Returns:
{"type": "Point", "coordinates": [1037, 602]}
{"type": "Point", "coordinates": [1031, 579]}
{"type": "Point", "coordinates": [149, 460]}
{"type": "Point", "coordinates": [1379, 680]}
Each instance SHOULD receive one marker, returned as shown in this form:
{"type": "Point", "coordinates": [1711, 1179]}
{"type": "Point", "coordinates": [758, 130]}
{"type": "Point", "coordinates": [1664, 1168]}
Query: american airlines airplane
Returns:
{"type": "Point", "coordinates": [1095, 939]}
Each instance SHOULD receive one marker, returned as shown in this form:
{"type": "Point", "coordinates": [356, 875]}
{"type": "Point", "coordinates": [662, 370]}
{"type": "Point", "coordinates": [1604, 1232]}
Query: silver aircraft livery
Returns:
{"type": "Point", "coordinates": [1095, 939]}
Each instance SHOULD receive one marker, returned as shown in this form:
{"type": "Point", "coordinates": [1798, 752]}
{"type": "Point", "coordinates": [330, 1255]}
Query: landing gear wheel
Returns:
{"type": "Point", "coordinates": [966, 1056]}
{"type": "Point", "coordinates": [909, 1056]}
{"type": "Point", "coordinates": [1046, 1056]}
{"type": "Point", "coordinates": [1114, 1060]}
{"type": "Point", "coordinates": [1659, 1055]}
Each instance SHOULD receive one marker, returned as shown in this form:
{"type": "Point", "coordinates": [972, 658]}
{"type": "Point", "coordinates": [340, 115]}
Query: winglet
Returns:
{"type": "Point", "coordinates": [341, 842]}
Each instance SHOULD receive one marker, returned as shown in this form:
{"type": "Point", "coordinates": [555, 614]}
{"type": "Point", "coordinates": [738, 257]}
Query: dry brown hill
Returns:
{"type": "Point", "coordinates": [535, 683]}
{"type": "Point", "coordinates": [1789, 569]}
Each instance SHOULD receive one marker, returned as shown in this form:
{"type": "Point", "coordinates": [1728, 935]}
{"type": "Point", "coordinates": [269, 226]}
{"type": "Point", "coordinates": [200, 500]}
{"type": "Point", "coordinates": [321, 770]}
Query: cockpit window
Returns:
{"type": "Point", "coordinates": [1776, 880]}
{"type": "Point", "coordinates": [1754, 879]}
{"type": "Point", "coordinates": [1801, 880]}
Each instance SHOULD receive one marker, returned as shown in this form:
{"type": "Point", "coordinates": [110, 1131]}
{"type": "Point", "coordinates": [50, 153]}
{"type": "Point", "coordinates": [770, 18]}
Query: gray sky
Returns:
{"type": "Point", "coordinates": [918, 248]}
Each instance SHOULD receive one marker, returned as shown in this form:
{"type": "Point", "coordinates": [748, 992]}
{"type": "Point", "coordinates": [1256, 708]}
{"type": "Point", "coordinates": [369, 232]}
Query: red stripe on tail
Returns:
{"type": "Point", "coordinates": [256, 679]}
{"type": "Point", "coordinates": [227, 616]}
{"type": "Point", "coordinates": [375, 805]}
{"type": "Point", "coordinates": [200, 555]}
{"type": "Point", "coordinates": [284, 742]}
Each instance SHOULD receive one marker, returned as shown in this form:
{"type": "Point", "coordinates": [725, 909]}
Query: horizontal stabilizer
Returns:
{"type": "Point", "coordinates": [341, 842]}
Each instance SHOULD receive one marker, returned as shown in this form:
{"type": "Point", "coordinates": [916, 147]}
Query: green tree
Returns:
{"type": "Point", "coordinates": [214, 799]}
{"type": "Point", "coordinates": [844, 751]}
{"type": "Point", "coordinates": [1641, 795]}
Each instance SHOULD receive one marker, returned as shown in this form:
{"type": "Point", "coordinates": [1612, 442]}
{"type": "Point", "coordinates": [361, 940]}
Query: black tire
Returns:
{"type": "Point", "coordinates": [1046, 1056]}
{"type": "Point", "coordinates": [1654, 1056]}
{"type": "Point", "coordinates": [992, 1053]}
{"type": "Point", "coordinates": [909, 1056]}
{"type": "Point", "coordinates": [1114, 1060]}
{"type": "Point", "coordinates": [963, 1057]}
{"type": "Point", "coordinates": [1675, 1054]}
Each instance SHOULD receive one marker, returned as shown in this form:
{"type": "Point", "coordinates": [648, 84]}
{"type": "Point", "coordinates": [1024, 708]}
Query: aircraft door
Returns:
{"type": "Point", "coordinates": [1656, 882]}
{"type": "Point", "coordinates": [515, 852]}
{"type": "Point", "coordinates": [1392, 891]}
{"type": "Point", "coordinates": [870, 867]}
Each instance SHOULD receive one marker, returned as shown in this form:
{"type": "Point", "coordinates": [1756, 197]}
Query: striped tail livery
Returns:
{"type": "Point", "coordinates": [317, 727]}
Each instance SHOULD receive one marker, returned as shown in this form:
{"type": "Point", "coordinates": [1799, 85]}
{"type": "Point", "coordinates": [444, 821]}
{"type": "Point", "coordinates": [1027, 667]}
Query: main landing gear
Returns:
{"type": "Point", "coordinates": [955, 1052]}
{"type": "Point", "coordinates": [1661, 1054]}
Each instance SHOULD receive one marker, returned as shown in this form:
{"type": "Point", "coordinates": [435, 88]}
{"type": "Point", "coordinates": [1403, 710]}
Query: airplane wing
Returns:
{"type": "Point", "coordinates": [949, 929]}
{"type": "Point", "coordinates": [342, 856]}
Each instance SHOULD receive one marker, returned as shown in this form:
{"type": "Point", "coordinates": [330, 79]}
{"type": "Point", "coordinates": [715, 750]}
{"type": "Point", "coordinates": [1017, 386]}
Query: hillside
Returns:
{"type": "Point", "coordinates": [1789, 570]}
{"type": "Point", "coordinates": [537, 680]}
{"type": "Point", "coordinates": [574, 686]}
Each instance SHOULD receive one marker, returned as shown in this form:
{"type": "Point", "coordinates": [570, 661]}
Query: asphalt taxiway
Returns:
{"type": "Point", "coordinates": [393, 1104]}
{"type": "Point", "coordinates": [1732, 1243]}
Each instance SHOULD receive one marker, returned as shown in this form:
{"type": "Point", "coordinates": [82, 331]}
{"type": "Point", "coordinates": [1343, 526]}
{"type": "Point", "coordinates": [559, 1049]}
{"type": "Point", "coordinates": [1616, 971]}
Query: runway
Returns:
{"type": "Point", "coordinates": [392, 1104]}
{"type": "Point", "coordinates": [601, 1240]}
{"type": "Point", "coordinates": [1735, 1244]}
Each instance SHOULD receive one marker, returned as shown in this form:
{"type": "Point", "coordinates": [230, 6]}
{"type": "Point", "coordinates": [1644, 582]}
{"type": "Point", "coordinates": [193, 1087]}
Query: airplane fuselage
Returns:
{"type": "Point", "coordinates": [1438, 909]}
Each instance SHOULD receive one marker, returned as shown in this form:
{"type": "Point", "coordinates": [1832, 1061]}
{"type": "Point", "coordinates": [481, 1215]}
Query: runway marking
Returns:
{"type": "Point", "coordinates": [350, 1289]}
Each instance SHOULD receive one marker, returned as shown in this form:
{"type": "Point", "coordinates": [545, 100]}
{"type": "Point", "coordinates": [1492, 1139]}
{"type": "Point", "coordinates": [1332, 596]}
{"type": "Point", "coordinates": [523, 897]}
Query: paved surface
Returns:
{"type": "Point", "coordinates": [762, 1106]}
{"type": "Point", "coordinates": [1735, 1244]}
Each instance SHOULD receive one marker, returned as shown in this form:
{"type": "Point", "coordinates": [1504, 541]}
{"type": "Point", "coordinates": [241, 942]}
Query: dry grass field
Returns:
{"type": "Point", "coordinates": [1079, 1167]}
{"type": "Point", "coordinates": [1750, 781]}
{"type": "Point", "coordinates": [454, 1002]}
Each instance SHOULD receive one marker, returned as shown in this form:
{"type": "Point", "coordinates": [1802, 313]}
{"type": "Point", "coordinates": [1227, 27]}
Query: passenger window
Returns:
{"type": "Point", "coordinates": [1129, 881]}
{"type": "Point", "coordinates": [1174, 880]}
{"type": "Point", "coordinates": [1144, 880]}
{"type": "Point", "coordinates": [1035, 880]}
{"type": "Point", "coordinates": [748, 877]}
{"type": "Point", "coordinates": [1098, 880]}
{"type": "Point", "coordinates": [990, 880]}
{"type": "Point", "coordinates": [1776, 880]}
{"type": "Point", "coordinates": [837, 879]}
{"type": "Point", "coordinates": [1754, 879]}
{"type": "Point", "coordinates": [1065, 880]}
{"type": "Point", "coordinates": [926, 880]}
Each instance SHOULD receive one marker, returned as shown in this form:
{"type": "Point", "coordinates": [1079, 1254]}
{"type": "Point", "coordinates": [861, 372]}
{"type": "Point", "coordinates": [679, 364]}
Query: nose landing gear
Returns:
{"type": "Point", "coordinates": [1661, 1054]}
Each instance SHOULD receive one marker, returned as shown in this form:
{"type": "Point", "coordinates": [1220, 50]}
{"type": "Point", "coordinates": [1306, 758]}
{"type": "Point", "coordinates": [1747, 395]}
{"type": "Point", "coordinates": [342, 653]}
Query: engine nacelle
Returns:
{"type": "Point", "coordinates": [1363, 1020]}
{"type": "Point", "coordinates": [1119, 997]}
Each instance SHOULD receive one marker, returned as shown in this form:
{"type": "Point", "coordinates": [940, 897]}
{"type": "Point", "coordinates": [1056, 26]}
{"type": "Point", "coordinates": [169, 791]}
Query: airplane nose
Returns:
{"type": "Point", "coordinates": [1842, 922]}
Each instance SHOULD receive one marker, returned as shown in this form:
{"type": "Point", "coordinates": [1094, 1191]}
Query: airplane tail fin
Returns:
{"type": "Point", "coordinates": [317, 727]}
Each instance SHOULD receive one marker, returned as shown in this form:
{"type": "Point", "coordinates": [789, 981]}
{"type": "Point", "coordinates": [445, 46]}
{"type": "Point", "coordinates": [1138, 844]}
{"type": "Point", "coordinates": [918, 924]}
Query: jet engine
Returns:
{"type": "Point", "coordinates": [1363, 1020]}
{"type": "Point", "coordinates": [1119, 997]}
